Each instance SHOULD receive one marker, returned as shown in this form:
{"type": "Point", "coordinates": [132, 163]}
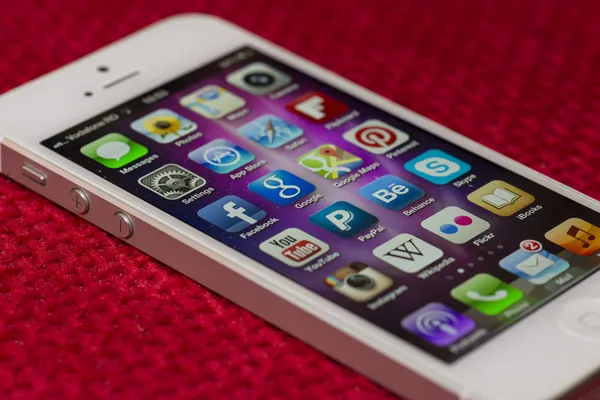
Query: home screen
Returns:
{"type": "Point", "coordinates": [428, 241]}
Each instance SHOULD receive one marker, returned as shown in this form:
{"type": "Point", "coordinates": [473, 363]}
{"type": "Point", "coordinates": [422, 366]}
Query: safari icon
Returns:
{"type": "Point", "coordinates": [114, 150]}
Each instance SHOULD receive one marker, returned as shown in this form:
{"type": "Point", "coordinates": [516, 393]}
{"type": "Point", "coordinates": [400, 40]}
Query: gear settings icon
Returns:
{"type": "Point", "coordinates": [172, 181]}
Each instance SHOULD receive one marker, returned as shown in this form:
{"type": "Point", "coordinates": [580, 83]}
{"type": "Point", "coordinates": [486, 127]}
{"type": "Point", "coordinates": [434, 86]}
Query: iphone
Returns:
{"type": "Point", "coordinates": [435, 266]}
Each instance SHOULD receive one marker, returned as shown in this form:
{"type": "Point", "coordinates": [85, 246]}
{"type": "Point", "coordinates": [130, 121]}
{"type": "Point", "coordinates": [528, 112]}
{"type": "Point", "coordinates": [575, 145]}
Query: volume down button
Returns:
{"type": "Point", "coordinates": [123, 225]}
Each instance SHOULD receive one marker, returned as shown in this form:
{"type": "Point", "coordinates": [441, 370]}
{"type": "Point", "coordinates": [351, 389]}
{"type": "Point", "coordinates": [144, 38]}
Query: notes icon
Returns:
{"type": "Point", "coordinates": [577, 236]}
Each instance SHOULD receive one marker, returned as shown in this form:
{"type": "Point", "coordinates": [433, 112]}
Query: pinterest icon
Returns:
{"type": "Point", "coordinates": [376, 136]}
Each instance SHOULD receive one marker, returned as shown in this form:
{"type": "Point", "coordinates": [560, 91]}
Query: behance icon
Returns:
{"type": "Point", "coordinates": [391, 192]}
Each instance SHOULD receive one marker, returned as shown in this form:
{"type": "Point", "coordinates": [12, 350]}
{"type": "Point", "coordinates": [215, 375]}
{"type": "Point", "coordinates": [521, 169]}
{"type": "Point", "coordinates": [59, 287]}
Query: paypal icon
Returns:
{"type": "Point", "coordinates": [343, 219]}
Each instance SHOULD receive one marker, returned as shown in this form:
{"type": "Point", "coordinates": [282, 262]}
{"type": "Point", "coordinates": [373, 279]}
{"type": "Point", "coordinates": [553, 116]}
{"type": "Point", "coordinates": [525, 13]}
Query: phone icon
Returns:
{"type": "Point", "coordinates": [487, 294]}
{"type": "Point", "coordinates": [497, 296]}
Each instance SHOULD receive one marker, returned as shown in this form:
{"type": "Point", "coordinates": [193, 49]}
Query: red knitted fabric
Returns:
{"type": "Point", "coordinates": [84, 315]}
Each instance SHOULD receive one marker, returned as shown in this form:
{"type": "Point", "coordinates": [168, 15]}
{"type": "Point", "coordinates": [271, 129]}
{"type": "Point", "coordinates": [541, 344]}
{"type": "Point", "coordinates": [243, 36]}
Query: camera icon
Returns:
{"type": "Point", "coordinates": [258, 78]}
{"type": "Point", "coordinates": [359, 282]}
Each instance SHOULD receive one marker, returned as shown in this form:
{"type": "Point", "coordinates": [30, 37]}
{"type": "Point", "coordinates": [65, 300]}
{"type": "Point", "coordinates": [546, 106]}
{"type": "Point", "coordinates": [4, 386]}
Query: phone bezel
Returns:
{"type": "Point", "coordinates": [500, 367]}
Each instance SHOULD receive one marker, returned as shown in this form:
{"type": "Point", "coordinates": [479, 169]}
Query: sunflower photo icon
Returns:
{"type": "Point", "coordinates": [164, 126]}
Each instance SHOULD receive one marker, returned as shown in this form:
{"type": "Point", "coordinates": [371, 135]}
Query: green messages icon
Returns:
{"type": "Point", "coordinates": [487, 294]}
{"type": "Point", "coordinates": [114, 150]}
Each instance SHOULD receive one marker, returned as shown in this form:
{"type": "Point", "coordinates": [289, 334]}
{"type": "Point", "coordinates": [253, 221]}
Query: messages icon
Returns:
{"type": "Point", "coordinates": [114, 150]}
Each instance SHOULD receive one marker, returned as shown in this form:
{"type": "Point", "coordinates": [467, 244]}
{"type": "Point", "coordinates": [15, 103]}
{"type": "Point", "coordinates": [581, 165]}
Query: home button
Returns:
{"type": "Point", "coordinates": [591, 320]}
{"type": "Point", "coordinates": [581, 318]}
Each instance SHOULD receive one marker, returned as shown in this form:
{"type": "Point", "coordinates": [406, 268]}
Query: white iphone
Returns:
{"type": "Point", "coordinates": [425, 261]}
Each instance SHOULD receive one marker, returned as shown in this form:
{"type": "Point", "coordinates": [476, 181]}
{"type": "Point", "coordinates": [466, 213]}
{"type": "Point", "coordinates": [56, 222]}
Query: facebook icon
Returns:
{"type": "Point", "coordinates": [391, 192]}
{"type": "Point", "coordinates": [232, 214]}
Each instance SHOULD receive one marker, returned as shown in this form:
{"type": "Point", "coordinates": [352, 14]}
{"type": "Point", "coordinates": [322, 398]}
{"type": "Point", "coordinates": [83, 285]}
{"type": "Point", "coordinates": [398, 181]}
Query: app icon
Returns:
{"type": "Point", "coordinates": [487, 294]}
{"type": "Point", "coordinates": [163, 126]}
{"type": "Point", "coordinates": [221, 156]}
{"type": "Point", "coordinates": [343, 219]}
{"type": "Point", "coordinates": [270, 131]}
{"type": "Point", "coordinates": [577, 236]}
{"type": "Point", "coordinates": [294, 247]}
{"type": "Point", "coordinates": [438, 324]}
{"type": "Point", "coordinates": [172, 181]}
{"type": "Point", "coordinates": [232, 214]}
{"type": "Point", "coordinates": [501, 198]}
{"type": "Point", "coordinates": [281, 187]}
{"type": "Point", "coordinates": [258, 78]}
{"type": "Point", "coordinates": [408, 253]}
{"type": "Point", "coordinates": [437, 167]}
{"type": "Point", "coordinates": [455, 225]}
{"type": "Point", "coordinates": [212, 102]}
{"type": "Point", "coordinates": [330, 161]}
{"type": "Point", "coordinates": [317, 107]}
{"type": "Point", "coordinates": [114, 150]}
{"type": "Point", "coordinates": [391, 192]}
{"type": "Point", "coordinates": [536, 267]}
{"type": "Point", "coordinates": [376, 136]}
{"type": "Point", "coordinates": [359, 282]}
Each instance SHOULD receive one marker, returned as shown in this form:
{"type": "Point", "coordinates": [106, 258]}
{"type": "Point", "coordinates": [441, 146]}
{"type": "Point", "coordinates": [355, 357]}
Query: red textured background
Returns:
{"type": "Point", "coordinates": [84, 315]}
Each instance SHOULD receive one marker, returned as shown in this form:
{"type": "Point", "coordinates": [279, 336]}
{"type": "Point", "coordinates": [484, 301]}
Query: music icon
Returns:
{"type": "Point", "coordinates": [577, 236]}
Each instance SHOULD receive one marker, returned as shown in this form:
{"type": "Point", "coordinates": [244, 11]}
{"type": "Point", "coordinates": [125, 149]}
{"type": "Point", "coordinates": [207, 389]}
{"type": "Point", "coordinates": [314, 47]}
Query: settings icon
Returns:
{"type": "Point", "coordinates": [172, 181]}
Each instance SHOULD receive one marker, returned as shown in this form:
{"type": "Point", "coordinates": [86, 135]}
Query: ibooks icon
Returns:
{"type": "Point", "coordinates": [501, 198]}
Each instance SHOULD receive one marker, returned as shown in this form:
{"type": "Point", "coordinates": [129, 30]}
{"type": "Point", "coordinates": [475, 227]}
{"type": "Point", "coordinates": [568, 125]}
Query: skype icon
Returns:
{"type": "Point", "coordinates": [437, 167]}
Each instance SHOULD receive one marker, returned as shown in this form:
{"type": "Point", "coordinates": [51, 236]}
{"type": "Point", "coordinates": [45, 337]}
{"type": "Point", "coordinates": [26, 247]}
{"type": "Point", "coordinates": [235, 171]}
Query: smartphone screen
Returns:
{"type": "Point", "coordinates": [422, 238]}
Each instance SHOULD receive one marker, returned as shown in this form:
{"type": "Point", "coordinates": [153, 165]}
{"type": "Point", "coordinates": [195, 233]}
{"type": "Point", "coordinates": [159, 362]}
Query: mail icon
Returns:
{"type": "Point", "coordinates": [534, 265]}
{"type": "Point", "coordinates": [538, 268]}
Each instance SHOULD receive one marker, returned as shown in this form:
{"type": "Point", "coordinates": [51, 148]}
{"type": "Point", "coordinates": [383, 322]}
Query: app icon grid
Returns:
{"type": "Point", "coordinates": [344, 187]}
